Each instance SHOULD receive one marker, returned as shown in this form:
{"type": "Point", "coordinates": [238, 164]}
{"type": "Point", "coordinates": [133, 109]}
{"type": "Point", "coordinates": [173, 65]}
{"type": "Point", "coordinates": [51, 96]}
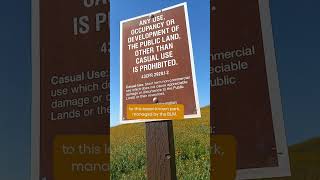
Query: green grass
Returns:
{"type": "Point", "coordinates": [192, 140]}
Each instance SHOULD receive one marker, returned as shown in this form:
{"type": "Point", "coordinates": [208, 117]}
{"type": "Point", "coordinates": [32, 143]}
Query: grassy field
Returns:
{"type": "Point", "coordinates": [128, 154]}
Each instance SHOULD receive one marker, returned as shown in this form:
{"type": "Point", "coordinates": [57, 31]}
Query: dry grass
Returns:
{"type": "Point", "coordinates": [128, 154]}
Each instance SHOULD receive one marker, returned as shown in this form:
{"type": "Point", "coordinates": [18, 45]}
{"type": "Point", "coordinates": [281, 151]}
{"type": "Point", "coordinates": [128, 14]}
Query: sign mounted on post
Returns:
{"type": "Point", "coordinates": [156, 62]}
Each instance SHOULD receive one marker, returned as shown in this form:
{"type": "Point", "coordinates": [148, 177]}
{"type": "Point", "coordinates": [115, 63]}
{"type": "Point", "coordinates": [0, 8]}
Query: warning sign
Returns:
{"type": "Point", "coordinates": [156, 62]}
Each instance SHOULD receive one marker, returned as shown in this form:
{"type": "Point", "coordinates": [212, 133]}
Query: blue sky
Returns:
{"type": "Point", "coordinates": [200, 31]}
{"type": "Point", "coordinates": [296, 31]}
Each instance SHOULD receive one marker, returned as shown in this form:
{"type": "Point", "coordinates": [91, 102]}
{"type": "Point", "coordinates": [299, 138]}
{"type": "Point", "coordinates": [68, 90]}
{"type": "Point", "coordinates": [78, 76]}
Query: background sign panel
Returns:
{"type": "Point", "coordinates": [71, 57]}
{"type": "Point", "coordinates": [246, 97]}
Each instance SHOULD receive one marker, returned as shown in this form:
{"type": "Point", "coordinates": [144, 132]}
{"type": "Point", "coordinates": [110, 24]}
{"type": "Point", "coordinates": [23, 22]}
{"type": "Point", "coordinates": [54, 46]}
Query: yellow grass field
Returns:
{"type": "Point", "coordinates": [192, 140]}
{"type": "Point", "coordinates": [128, 154]}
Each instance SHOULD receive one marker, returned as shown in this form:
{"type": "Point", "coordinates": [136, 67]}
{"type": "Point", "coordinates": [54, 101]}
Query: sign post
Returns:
{"type": "Point", "coordinates": [161, 162]}
{"type": "Point", "coordinates": [157, 75]}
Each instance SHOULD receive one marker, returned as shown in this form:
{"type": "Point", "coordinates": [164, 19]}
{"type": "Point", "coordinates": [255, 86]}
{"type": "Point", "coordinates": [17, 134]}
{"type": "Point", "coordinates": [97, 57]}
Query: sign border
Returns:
{"type": "Point", "coordinates": [35, 100]}
{"type": "Point", "coordinates": [35, 134]}
{"type": "Point", "coordinates": [195, 89]}
{"type": "Point", "coordinates": [283, 168]}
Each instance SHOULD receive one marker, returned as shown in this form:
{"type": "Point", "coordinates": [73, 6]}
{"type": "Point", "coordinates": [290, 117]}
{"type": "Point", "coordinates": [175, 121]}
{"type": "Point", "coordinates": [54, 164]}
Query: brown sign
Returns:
{"type": "Point", "coordinates": [245, 93]}
{"type": "Point", "coordinates": [157, 61]}
{"type": "Point", "coordinates": [70, 89]}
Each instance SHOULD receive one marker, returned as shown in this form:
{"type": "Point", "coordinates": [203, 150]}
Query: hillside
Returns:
{"type": "Point", "coordinates": [128, 155]}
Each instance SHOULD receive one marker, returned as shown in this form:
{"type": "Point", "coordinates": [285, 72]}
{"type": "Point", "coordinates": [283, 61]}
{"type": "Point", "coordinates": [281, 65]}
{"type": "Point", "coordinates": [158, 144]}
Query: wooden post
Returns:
{"type": "Point", "coordinates": [161, 164]}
